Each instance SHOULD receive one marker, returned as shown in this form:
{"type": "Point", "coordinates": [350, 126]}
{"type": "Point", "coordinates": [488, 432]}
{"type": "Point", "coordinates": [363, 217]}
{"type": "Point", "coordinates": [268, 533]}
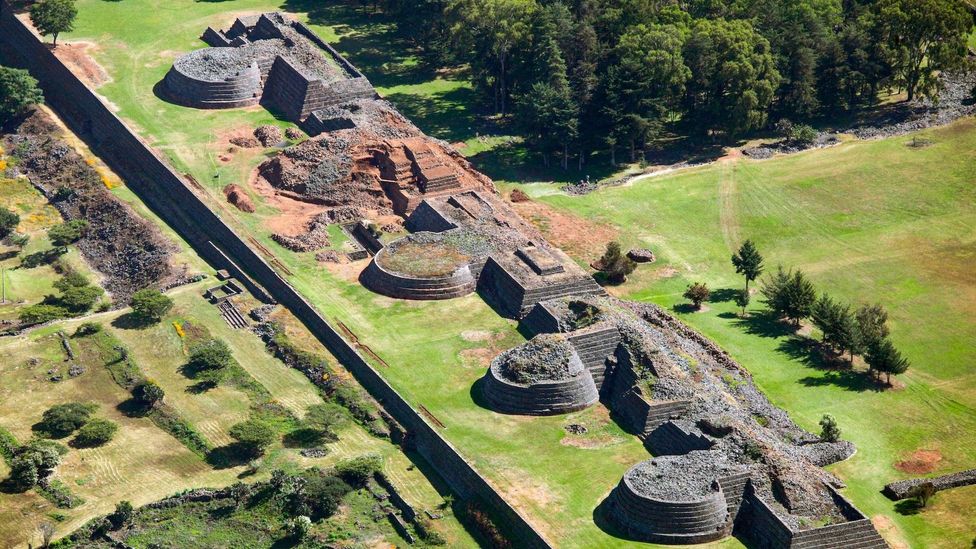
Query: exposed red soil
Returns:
{"type": "Point", "coordinates": [920, 462]}
{"type": "Point", "coordinates": [76, 57]}
{"type": "Point", "coordinates": [294, 215]}
{"type": "Point", "coordinates": [238, 197]}
{"type": "Point", "coordinates": [580, 238]}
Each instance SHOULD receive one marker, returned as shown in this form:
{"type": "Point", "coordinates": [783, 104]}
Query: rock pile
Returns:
{"type": "Point", "coordinates": [128, 250]}
{"type": "Point", "coordinates": [268, 135]}
{"type": "Point", "coordinates": [641, 255]}
{"type": "Point", "coordinates": [239, 198]}
{"type": "Point", "coordinates": [544, 358]}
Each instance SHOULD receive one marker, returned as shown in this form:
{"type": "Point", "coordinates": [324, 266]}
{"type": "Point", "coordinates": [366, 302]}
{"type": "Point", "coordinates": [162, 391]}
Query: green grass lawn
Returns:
{"type": "Point", "coordinates": [870, 222]}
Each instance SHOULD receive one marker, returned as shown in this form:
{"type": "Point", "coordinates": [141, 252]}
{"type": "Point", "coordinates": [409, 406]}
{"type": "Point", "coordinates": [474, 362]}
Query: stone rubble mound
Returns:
{"type": "Point", "coordinates": [544, 358]}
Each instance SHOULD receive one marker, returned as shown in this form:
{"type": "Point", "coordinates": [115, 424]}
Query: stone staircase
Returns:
{"type": "Point", "coordinates": [593, 349]}
{"type": "Point", "coordinates": [230, 313]}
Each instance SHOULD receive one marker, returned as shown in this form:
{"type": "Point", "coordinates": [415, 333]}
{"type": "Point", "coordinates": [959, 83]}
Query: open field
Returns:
{"type": "Point", "coordinates": [143, 463]}
{"type": "Point", "coordinates": [869, 222]}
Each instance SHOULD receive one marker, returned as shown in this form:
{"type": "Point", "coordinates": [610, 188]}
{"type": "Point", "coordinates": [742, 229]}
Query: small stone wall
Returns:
{"type": "Point", "coordinates": [673, 438]}
{"type": "Point", "coordinates": [671, 522]}
{"type": "Point", "coordinates": [901, 489]}
{"type": "Point", "coordinates": [460, 283]}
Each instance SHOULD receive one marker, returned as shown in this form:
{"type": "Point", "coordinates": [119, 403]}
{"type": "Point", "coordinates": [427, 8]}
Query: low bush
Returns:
{"type": "Point", "coordinates": [41, 313]}
{"type": "Point", "coordinates": [357, 471]}
{"type": "Point", "coordinates": [96, 432]}
{"type": "Point", "coordinates": [62, 420]}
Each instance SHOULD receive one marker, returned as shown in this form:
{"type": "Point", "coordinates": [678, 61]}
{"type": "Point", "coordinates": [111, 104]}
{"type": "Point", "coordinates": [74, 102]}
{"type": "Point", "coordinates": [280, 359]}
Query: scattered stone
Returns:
{"type": "Point", "coordinates": [581, 187]}
{"type": "Point", "coordinates": [641, 255]}
{"type": "Point", "coordinates": [245, 142]}
{"type": "Point", "coordinates": [294, 134]}
{"type": "Point", "coordinates": [328, 256]}
{"type": "Point", "coordinates": [314, 452]}
{"type": "Point", "coordinates": [392, 227]}
{"type": "Point", "coordinates": [546, 357]}
{"type": "Point", "coordinates": [76, 370]}
{"type": "Point", "coordinates": [269, 135]}
{"type": "Point", "coordinates": [262, 313]}
{"type": "Point", "coordinates": [576, 429]}
{"type": "Point", "coordinates": [54, 375]}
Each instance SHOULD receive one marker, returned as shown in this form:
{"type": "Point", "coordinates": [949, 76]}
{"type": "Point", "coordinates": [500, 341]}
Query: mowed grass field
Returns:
{"type": "Point", "coordinates": [874, 221]}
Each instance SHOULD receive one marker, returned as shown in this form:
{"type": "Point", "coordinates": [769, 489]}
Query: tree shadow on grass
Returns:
{"type": "Point", "coordinates": [305, 437]}
{"type": "Point", "coordinates": [131, 321]}
{"type": "Point", "coordinates": [910, 506]}
{"type": "Point", "coordinates": [685, 308]}
{"type": "Point", "coordinates": [765, 324]}
{"type": "Point", "coordinates": [230, 455]}
{"type": "Point", "coordinates": [723, 295]}
{"type": "Point", "coordinates": [133, 407]}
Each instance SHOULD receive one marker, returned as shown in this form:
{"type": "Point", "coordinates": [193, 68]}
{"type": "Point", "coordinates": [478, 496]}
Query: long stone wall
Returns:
{"type": "Point", "coordinates": [902, 488]}
{"type": "Point", "coordinates": [167, 194]}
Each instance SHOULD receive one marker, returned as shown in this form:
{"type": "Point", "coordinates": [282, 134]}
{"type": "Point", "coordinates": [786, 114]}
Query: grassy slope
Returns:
{"type": "Point", "coordinates": [869, 221]}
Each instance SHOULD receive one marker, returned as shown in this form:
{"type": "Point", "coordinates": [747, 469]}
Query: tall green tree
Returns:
{"type": "Point", "coordinates": [734, 77]}
{"type": "Point", "coordinates": [18, 92]}
{"type": "Point", "coordinates": [882, 356]}
{"type": "Point", "coordinates": [748, 262]}
{"type": "Point", "coordinates": [53, 17]}
{"type": "Point", "coordinates": [491, 31]}
{"type": "Point", "coordinates": [925, 37]}
{"type": "Point", "coordinates": [789, 294]}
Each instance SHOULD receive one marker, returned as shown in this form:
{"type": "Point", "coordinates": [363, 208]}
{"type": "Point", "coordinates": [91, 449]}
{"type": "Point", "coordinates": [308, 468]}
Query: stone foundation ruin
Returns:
{"type": "Point", "coordinates": [544, 376]}
{"type": "Point", "coordinates": [726, 460]}
{"type": "Point", "coordinates": [268, 59]}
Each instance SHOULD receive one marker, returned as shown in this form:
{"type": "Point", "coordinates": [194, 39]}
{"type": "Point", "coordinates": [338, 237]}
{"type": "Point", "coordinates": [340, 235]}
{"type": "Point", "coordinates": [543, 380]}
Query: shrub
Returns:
{"type": "Point", "coordinates": [149, 393]}
{"type": "Point", "coordinates": [298, 527]}
{"type": "Point", "coordinates": [96, 433]}
{"type": "Point", "coordinates": [122, 514]}
{"type": "Point", "coordinates": [212, 354]}
{"type": "Point", "coordinates": [253, 435]}
{"type": "Point", "coordinates": [829, 431]}
{"type": "Point", "coordinates": [87, 329]}
{"type": "Point", "coordinates": [41, 313]}
{"type": "Point", "coordinates": [71, 279]}
{"type": "Point", "coordinates": [18, 93]}
{"type": "Point", "coordinates": [62, 420]}
{"type": "Point", "coordinates": [615, 264]}
{"type": "Point", "coordinates": [150, 304]}
{"type": "Point", "coordinates": [66, 233]}
{"type": "Point", "coordinates": [356, 471]}
{"type": "Point", "coordinates": [802, 133]}
{"type": "Point", "coordinates": [697, 293]}
{"type": "Point", "coordinates": [8, 219]}
{"type": "Point", "coordinates": [23, 473]}
{"type": "Point", "coordinates": [80, 299]}
{"type": "Point", "coordinates": [922, 493]}
{"type": "Point", "coordinates": [325, 417]}
{"type": "Point", "coordinates": [324, 493]}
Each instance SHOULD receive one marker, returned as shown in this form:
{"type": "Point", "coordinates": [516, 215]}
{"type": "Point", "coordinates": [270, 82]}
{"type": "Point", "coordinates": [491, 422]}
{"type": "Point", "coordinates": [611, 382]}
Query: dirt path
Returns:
{"type": "Point", "coordinates": [726, 212]}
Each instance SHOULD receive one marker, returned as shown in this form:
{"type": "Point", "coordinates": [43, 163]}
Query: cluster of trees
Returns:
{"type": "Point", "coordinates": [792, 296]}
{"type": "Point", "coordinates": [209, 361]}
{"type": "Point", "coordinates": [595, 75]}
{"type": "Point", "coordinates": [77, 296]}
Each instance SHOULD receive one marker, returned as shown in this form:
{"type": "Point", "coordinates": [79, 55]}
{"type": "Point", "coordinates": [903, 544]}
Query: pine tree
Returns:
{"type": "Point", "coordinates": [748, 262]}
{"type": "Point", "coordinates": [882, 356]}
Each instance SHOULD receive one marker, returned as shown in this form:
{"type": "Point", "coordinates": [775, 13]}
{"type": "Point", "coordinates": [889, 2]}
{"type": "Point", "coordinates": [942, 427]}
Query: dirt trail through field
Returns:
{"type": "Point", "coordinates": [727, 216]}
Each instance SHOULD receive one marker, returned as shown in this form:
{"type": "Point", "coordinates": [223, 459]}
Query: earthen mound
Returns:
{"type": "Point", "coordinates": [239, 198]}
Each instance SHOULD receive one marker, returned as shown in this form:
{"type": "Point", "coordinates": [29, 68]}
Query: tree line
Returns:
{"type": "Point", "coordinates": [585, 76]}
{"type": "Point", "coordinates": [791, 296]}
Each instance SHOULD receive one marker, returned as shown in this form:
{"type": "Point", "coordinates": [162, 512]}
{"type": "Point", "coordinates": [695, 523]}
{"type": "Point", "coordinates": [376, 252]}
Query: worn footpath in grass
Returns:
{"type": "Point", "coordinates": [870, 221]}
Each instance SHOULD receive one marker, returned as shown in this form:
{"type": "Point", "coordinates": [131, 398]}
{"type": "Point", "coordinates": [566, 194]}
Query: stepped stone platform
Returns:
{"type": "Point", "coordinates": [542, 377]}
{"type": "Point", "coordinates": [427, 266]}
{"type": "Point", "coordinates": [270, 59]}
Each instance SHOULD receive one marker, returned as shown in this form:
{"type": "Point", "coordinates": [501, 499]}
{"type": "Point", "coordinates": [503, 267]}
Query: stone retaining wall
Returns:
{"type": "Point", "coordinates": [170, 197]}
{"type": "Point", "coordinates": [240, 90]}
{"type": "Point", "coordinates": [670, 438]}
{"type": "Point", "coordinates": [539, 399]}
{"type": "Point", "coordinates": [460, 283]}
{"type": "Point", "coordinates": [671, 522]}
